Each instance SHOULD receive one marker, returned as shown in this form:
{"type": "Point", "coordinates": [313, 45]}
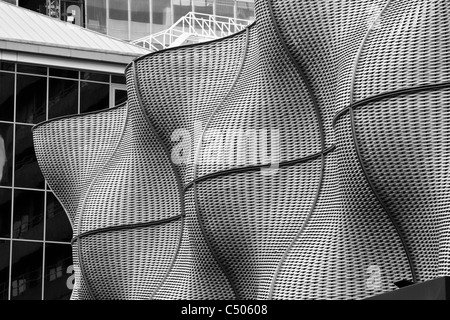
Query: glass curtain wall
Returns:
{"type": "Point", "coordinates": [134, 19]}
{"type": "Point", "coordinates": [35, 234]}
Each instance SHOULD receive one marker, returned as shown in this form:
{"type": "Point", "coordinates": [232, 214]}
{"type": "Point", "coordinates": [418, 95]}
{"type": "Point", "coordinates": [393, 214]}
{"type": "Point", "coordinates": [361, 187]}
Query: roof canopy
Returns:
{"type": "Point", "coordinates": [28, 31]}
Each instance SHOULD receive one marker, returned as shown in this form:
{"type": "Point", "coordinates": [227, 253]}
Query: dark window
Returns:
{"type": "Point", "coordinates": [59, 278]}
{"type": "Point", "coordinates": [7, 66]}
{"type": "Point", "coordinates": [58, 226]}
{"type": "Point", "coordinates": [118, 79]}
{"type": "Point", "coordinates": [120, 96]}
{"type": "Point", "coordinates": [62, 97]}
{"type": "Point", "coordinates": [6, 147]}
{"type": "Point", "coordinates": [27, 68]}
{"type": "Point", "coordinates": [63, 73]}
{"type": "Point", "coordinates": [28, 214]}
{"type": "Point", "coordinates": [5, 213]}
{"type": "Point", "coordinates": [92, 76]}
{"type": "Point", "coordinates": [31, 98]}
{"type": "Point", "coordinates": [4, 269]}
{"type": "Point", "coordinates": [93, 96]}
{"type": "Point", "coordinates": [27, 173]}
{"type": "Point", "coordinates": [7, 96]}
{"type": "Point", "coordinates": [26, 271]}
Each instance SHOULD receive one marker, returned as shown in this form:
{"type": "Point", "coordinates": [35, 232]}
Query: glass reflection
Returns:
{"type": "Point", "coordinates": [62, 97]}
{"type": "Point", "coordinates": [5, 213]}
{"type": "Point", "coordinates": [140, 19]}
{"type": "Point", "coordinates": [58, 227]}
{"type": "Point", "coordinates": [6, 96]}
{"type": "Point", "coordinates": [27, 173]}
{"type": "Point", "coordinates": [31, 98]}
{"type": "Point", "coordinates": [181, 8]}
{"type": "Point", "coordinates": [59, 278]}
{"type": "Point", "coordinates": [4, 269]}
{"type": "Point", "coordinates": [245, 10]}
{"type": "Point", "coordinates": [93, 96]}
{"type": "Point", "coordinates": [28, 216]}
{"type": "Point", "coordinates": [118, 19]}
{"type": "Point", "coordinates": [26, 271]}
{"type": "Point", "coordinates": [96, 15]}
{"type": "Point", "coordinates": [6, 147]}
{"type": "Point", "coordinates": [204, 6]}
{"type": "Point", "coordinates": [161, 17]}
{"type": "Point", "coordinates": [225, 8]}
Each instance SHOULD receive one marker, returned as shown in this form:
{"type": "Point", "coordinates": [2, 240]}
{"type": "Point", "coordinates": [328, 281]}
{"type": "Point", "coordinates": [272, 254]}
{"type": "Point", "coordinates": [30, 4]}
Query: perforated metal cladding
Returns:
{"type": "Point", "coordinates": [325, 225]}
{"type": "Point", "coordinates": [250, 223]}
{"type": "Point", "coordinates": [182, 96]}
{"type": "Point", "coordinates": [138, 162]}
{"type": "Point", "coordinates": [247, 114]}
{"type": "Point", "coordinates": [405, 148]}
{"type": "Point", "coordinates": [195, 267]}
{"type": "Point", "coordinates": [81, 290]}
{"type": "Point", "coordinates": [129, 264]}
{"type": "Point", "coordinates": [81, 143]}
{"type": "Point", "coordinates": [409, 47]}
{"type": "Point", "coordinates": [324, 38]}
{"type": "Point", "coordinates": [348, 234]}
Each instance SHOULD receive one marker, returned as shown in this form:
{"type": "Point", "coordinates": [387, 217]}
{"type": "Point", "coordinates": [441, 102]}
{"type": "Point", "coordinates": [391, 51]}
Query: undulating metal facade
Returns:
{"type": "Point", "coordinates": [170, 195]}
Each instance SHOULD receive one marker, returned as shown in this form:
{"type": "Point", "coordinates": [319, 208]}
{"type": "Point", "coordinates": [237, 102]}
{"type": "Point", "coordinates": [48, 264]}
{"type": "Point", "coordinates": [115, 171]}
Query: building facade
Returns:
{"type": "Point", "coordinates": [133, 19]}
{"type": "Point", "coordinates": [44, 77]}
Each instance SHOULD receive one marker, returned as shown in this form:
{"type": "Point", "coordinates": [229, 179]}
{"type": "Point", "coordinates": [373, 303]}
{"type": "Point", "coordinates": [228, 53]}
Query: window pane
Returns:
{"type": "Point", "coordinates": [7, 96]}
{"type": "Point", "coordinates": [63, 73]}
{"type": "Point", "coordinates": [225, 8]}
{"type": "Point", "coordinates": [180, 8]}
{"type": "Point", "coordinates": [245, 10]}
{"type": "Point", "coordinates": [5, 213]}
{"type": "Point", "coordinates": [26, 271]}
{"type": "Point", "coordinates": [120, 96]}
{"type": "Point", "coordinates": [27, 68]}
{"type": "Point", "coordinates": [93, 76]}
{"type": "Point", "coordinates": [58, 226]}
{"type": "Point", "coordinates": [6, 150]}
{"type": "Point", "coordinates": [28, 214]}
{"type": "Point", "coordinates": [4, 269]}
{"type": "Point", "coordinates": [161, 15]}
{"type": "Point", "coordinates": [27, 173]}
{"type": "Point", "coordinates": [118, 19]}
{"type": "Point", "coordinates": [58, 281]}
{"type": "Point", "coordinates": [93, 96]}
{"type": "Point", "coordinates": [7, 66]}
{"type": "Point", "coordinates": [31, 98]}
{"type": "Point", "coordinates": [140, 18]}
{"type": "Point", "coordinates": [118, 79]}
{"type": "Point", "coordinates": [204, 6]}
{"type": "Point", "coordinates": [62, 97]}
{"type": "Point", "coordinates": [96, 15]}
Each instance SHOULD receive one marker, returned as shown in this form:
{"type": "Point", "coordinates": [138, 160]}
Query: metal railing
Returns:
{"type": "Point", "coordinates": [192, 28]}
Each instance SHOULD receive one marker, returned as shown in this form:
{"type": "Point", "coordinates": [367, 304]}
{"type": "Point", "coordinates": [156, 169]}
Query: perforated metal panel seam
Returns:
{"type": "Point", "coordinates": [258, 167]}
{"type": "Point", "coordinates": [174, 170]}
{"type": "Point", "coordinates": [83, 204]}
{"type": "Point", "coordinates": [322, 141]}
{"type": "Point", "coordinates": [197, 155]}
{"type": "Point", "coordinates": [387, 95]}
{"type": "Point", "coordinates": [355, 142]}
{"type": "Point", "coordinates": [126, 227]}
